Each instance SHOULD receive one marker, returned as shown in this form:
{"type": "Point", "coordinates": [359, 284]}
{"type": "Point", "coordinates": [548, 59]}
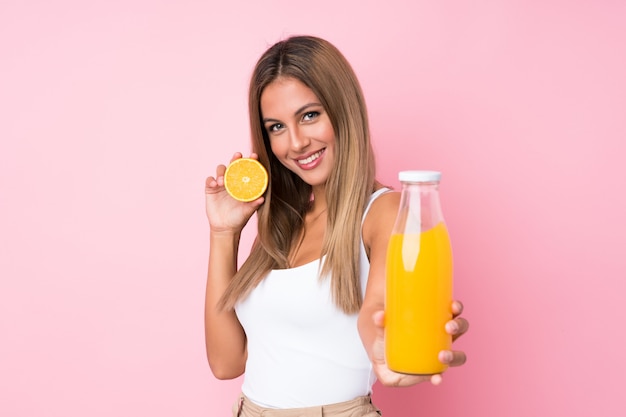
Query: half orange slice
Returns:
{"type": "Point", "coordinates": [245, 179]}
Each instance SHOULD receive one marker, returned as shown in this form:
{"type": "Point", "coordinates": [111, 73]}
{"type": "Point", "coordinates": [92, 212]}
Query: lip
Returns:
{"type": "Point", "coordinates": [313, 163]}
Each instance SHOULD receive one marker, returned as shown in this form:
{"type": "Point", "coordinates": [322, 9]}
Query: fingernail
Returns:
{"type": "Point", "coordinates": [452, 327]}
{"type": "Point", "coordinates": [436, 379]}
{"type": "Point", "coordinates": [445, 356]}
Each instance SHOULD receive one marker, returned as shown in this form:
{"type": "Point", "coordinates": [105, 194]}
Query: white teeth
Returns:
{"type": "Point", "coordinates": [310, 158]}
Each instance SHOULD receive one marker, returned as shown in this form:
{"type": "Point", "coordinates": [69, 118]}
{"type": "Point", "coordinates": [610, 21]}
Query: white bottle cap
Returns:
{"type": "Point", "coordinates": [419, 176]}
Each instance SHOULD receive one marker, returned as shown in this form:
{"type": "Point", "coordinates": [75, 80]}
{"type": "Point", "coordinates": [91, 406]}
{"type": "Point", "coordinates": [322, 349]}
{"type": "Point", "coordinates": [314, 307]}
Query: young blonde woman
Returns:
{"type": "Point", "coordinates": [303, 316]}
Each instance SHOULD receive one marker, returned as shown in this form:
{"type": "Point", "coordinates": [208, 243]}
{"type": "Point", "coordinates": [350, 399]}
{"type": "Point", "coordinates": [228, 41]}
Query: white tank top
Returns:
{"type": "Point", "coordinates": [303, 351]}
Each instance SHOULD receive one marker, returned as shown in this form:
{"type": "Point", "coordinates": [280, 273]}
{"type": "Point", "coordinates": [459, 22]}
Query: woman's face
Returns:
{"type": "Point", "coordinates": [301, 135]}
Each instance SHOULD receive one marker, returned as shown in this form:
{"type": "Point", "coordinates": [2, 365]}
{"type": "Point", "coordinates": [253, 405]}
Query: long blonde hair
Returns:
{"type": "Point", "coordinates": [321, 67]}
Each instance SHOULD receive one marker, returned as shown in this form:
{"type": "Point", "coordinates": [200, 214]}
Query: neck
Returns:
{"type": "Point", "coordinates": [319, 203]}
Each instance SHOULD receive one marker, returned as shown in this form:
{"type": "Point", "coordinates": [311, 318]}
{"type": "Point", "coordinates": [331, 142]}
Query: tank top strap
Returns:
{"type": "Point", "coordinates": [372, 198]}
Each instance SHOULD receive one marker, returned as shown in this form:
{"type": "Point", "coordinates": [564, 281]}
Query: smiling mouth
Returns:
{"type": "Point", "coordinates": [311, 158]}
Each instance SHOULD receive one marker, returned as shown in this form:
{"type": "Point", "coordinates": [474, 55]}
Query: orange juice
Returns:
{"type": "Point", "coordinates": [418, 300]}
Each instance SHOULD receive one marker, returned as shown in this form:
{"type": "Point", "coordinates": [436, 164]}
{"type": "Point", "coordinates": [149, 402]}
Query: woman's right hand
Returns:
{"type": "Point", "coordinates": [226, 214]}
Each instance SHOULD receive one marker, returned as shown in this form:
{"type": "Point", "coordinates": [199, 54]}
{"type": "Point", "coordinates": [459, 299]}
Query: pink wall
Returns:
{"type": "Point", "coordinates": [113, 112]}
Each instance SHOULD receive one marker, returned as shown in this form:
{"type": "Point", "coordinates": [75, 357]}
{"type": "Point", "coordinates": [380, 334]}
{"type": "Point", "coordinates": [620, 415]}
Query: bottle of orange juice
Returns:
{"type": "Point", "coordinates": [418, 293]}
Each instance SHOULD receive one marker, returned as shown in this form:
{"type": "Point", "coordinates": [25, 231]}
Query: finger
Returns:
{"type": "Point", "coordinates": [379, 319]}
{"type": "Point", "coordinates": [436, 379]}
{"type": "Point", "coordinates": [378, 349]}
{"type": "Point", "coordinates": [457, 308]}
{"type": "Point", "coordinates": [236, 155]}
{"type": "Point", "coordinates": [210, 182]}
{"type": "Point", "coordinates": [220, 170]}
{"type": "Point", "coordinates": [258, 202]}
{"type": "Point", "coordinates": [452, 357]}
{"type": "Point", "coordinates": [219, 175]}
{"type": "Point", "coordinates": [457, 327]}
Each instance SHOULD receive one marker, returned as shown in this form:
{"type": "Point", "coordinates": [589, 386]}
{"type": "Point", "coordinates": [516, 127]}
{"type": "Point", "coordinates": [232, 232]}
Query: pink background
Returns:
{"type": "Point", "coordinates": [112, 113]}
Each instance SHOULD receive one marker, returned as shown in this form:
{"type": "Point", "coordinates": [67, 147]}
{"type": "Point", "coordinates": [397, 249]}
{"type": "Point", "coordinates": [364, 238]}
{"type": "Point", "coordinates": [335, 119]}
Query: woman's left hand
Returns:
{"type": "Point", "coordinates": [455, 327]}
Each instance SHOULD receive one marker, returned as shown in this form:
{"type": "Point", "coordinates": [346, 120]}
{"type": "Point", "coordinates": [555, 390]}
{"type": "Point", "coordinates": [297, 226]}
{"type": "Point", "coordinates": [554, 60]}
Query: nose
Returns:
{"type": "Point", "coordinates": [298, 139]}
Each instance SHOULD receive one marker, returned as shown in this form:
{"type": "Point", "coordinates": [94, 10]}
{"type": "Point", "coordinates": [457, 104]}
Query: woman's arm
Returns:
{"type": "Point", "coordinates": [225, 337]}
{"type": "Point", "coordinates": [376, 233]}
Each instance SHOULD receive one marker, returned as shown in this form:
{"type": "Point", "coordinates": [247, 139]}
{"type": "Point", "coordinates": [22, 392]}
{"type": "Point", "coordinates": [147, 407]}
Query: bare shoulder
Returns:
{"type": "Point", "coordinates": [381, 217]}
{"type": "Point", "coordinates": [384, 205]}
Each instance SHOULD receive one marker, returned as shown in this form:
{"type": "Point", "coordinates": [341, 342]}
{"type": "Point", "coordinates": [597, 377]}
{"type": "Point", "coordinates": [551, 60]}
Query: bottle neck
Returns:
{"type": "Point", "coordinates": [430, 185]}
{"type": "Point", "coordinates": [419, 207]}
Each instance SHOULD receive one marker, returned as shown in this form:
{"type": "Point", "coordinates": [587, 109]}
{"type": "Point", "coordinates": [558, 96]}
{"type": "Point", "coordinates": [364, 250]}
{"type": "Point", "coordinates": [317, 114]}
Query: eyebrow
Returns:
{"type": "Point", "coordinates": [297, 112]}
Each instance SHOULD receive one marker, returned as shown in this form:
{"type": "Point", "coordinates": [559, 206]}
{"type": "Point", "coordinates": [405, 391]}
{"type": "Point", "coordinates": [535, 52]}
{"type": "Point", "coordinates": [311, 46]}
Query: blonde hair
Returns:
{"type": "Point", "coordinates": [321, 67]}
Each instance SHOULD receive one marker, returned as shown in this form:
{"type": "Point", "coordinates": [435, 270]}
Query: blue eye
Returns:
{"type": "Point", "coordinates": [275, 127]}
{"type": "Point", "coordinates": [308, 116]}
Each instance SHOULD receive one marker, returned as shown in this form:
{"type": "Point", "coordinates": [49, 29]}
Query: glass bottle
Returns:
{"type": "Point", "coordinates": [418, 294]}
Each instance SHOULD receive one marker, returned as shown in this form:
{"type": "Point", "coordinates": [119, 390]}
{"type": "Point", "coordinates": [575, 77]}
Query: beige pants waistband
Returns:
{"type": "Point", "coordinates": [359, 407]}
